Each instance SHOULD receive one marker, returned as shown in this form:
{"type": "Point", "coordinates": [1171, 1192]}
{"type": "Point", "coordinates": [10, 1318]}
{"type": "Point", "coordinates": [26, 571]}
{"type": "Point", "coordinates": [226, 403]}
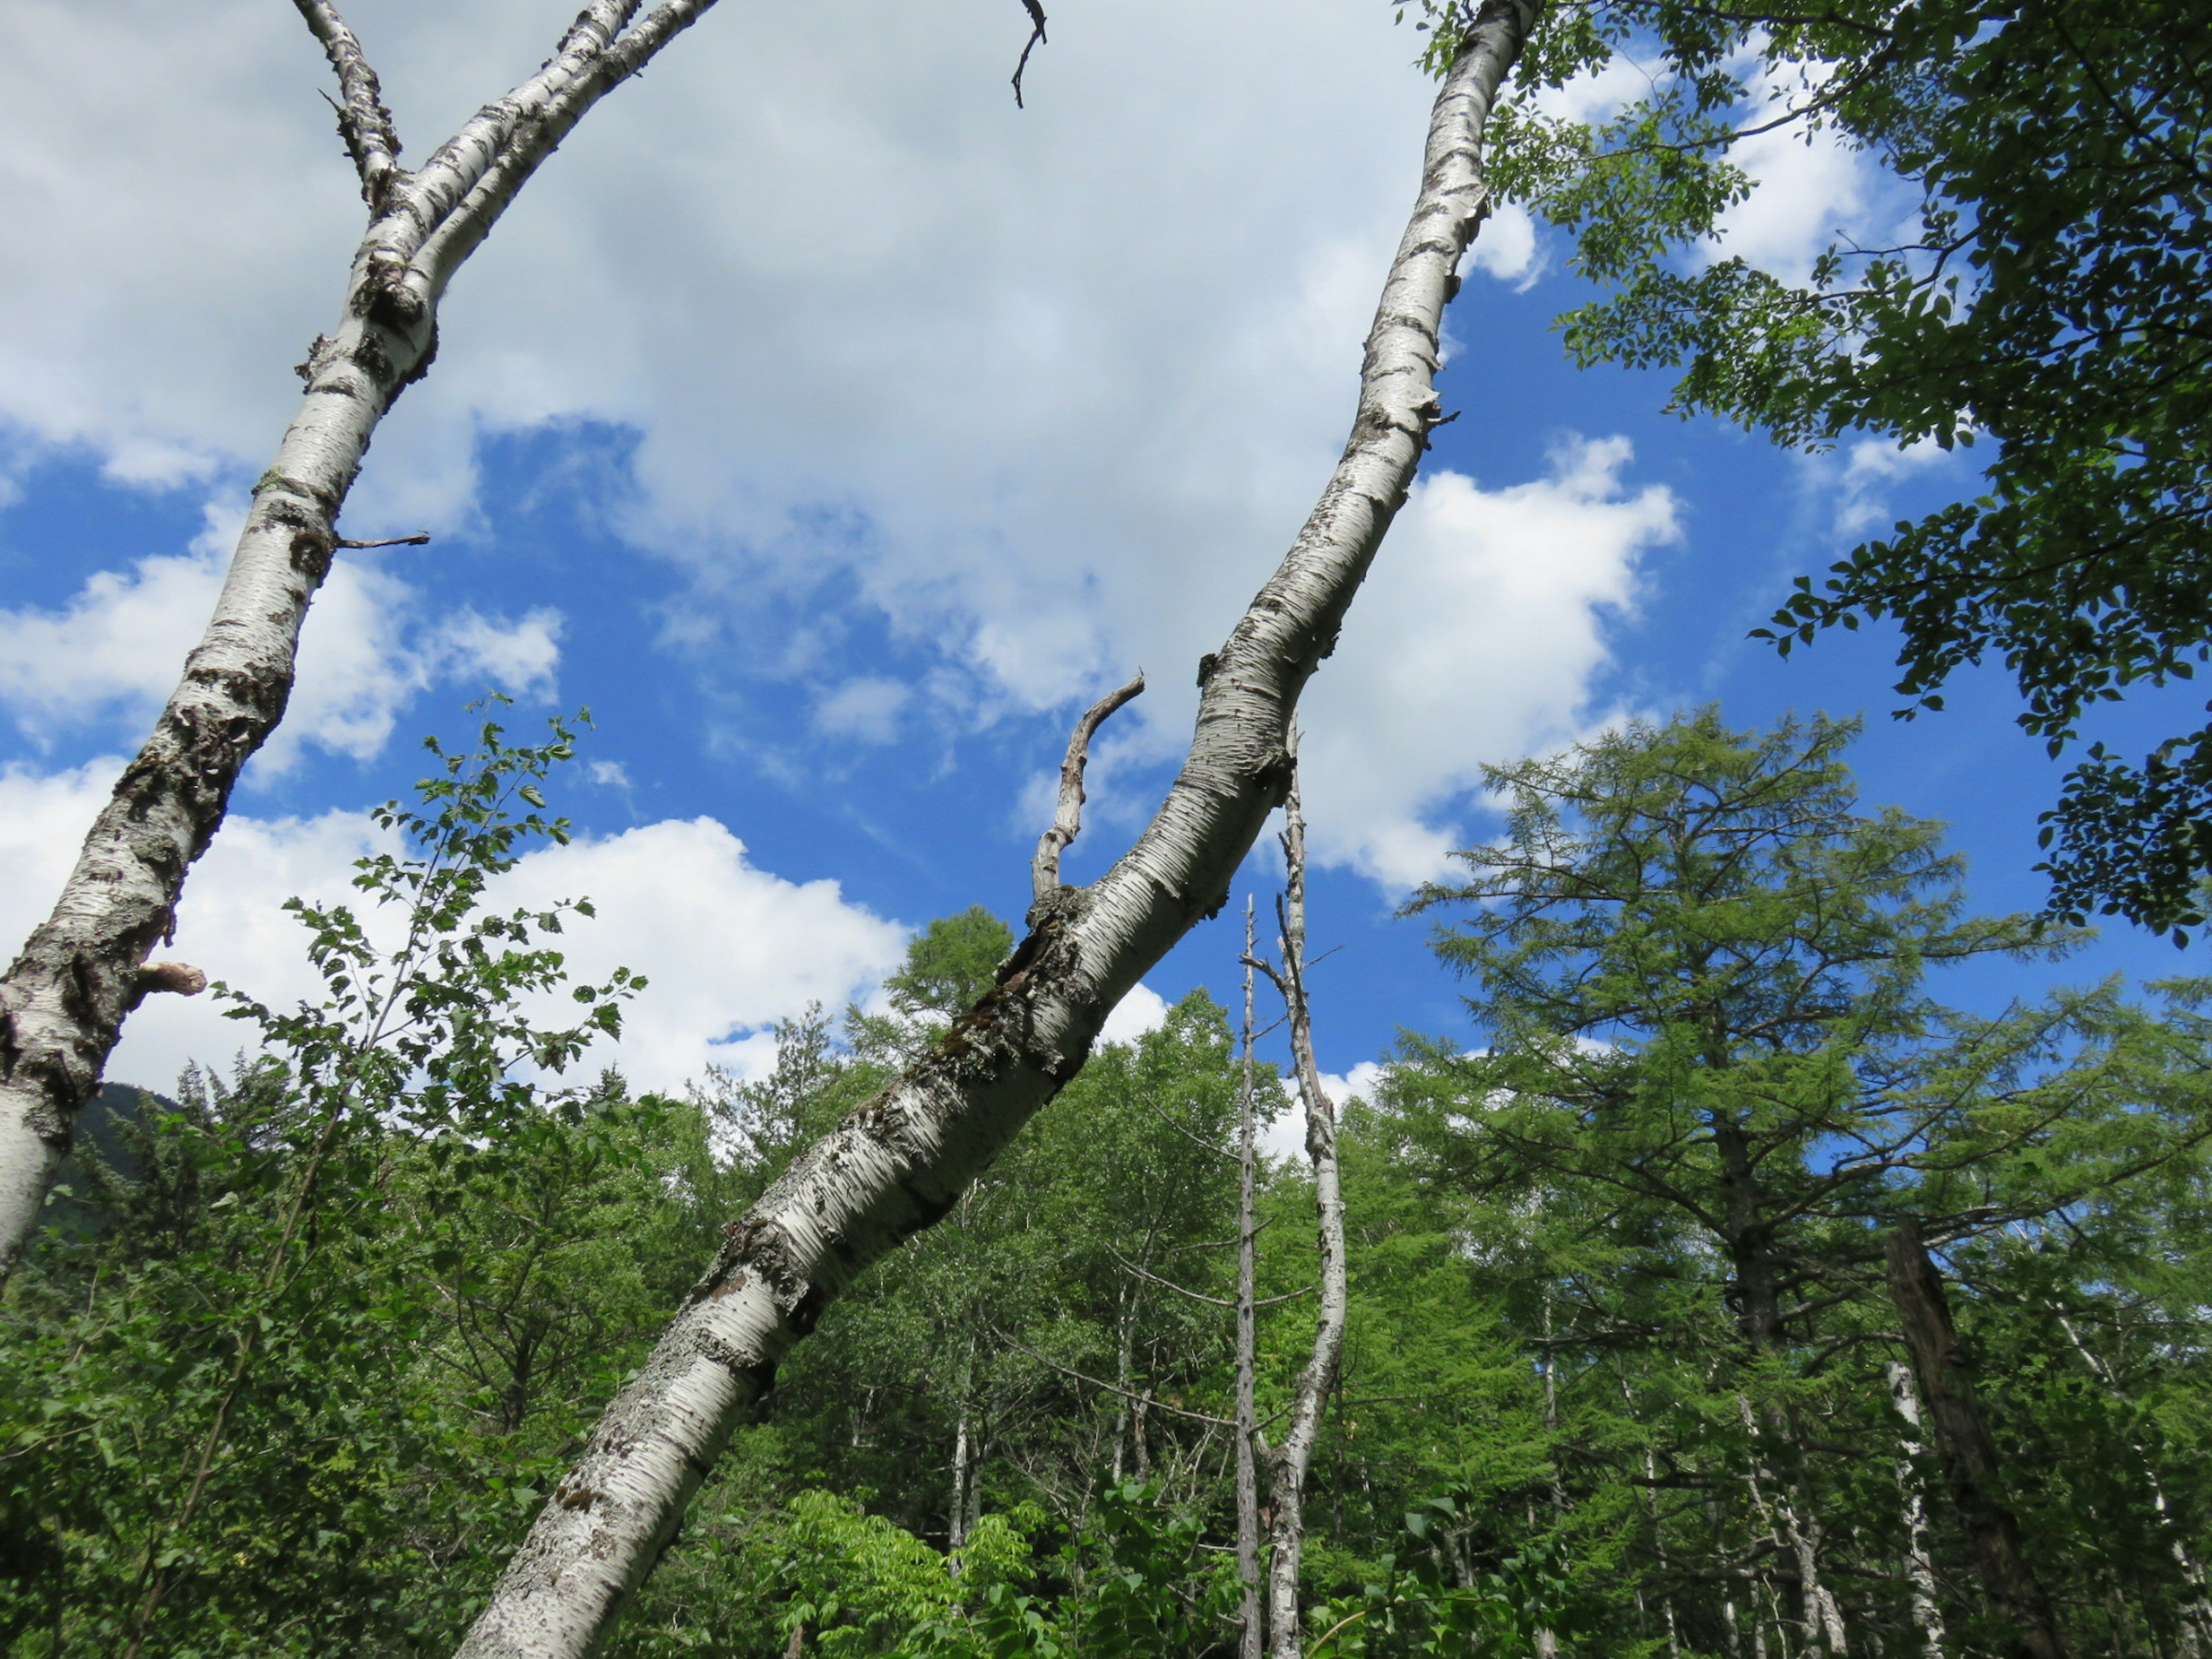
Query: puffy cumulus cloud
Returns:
{"type": "Point", "coordinates": [1508, 249]}
{"type": "Point", "coordinates": [114, 650]}
{"type": "Point", "coordinates": [1810, 188]}
{"type": "Point", "coordinates": [1142, 1010]}
{"type": "Point", "coordinates": [1481, 634]}
{"type": "Point", "coordinates": [728, 948]}
{"type": "Point", "coordinates": [1054, 386]}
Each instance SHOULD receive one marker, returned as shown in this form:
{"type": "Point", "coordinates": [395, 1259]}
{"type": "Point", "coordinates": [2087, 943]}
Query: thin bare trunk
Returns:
{"type": "Point", "coordinates": [1251, 1635]}
{"type": "Point", "coordinates": [84, 970]}
{"type": "Point", "coordinates": [1651, 1485]}
{"type": "Point", "coordinates": [1919, 1567]}
{"type": "Point", "coordinates": [1969, 1454]}
{"type": "Point", "coordinates": [957, 1516]}
{"type": "Point", "coordinates": [2195, 1610]}
{"type": "Point", "coordinates": [1821, 1615]}
{"type": "Point", "coordinates": [1295, 1458]}
{"type": "Point", "coordinates": [899, 1162]}
{"type": "Point", "coordinates": [1547, 1640]}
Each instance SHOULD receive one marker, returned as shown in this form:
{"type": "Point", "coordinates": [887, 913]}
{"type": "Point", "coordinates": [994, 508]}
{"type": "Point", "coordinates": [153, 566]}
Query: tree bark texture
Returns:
{"type": "Point", "coordinates": [1286, 1529]}
{"type": "Point", "coordinates": [899, 1162]}
{"type": "Point", "coordinates": [1962, 1440]}
{"type": "Point", "coordinates": [1919, 1566]}
{"type": "Point", "coordinates": [1251, 1631]}
{"type": "Point", "coordinates": [83, 970]}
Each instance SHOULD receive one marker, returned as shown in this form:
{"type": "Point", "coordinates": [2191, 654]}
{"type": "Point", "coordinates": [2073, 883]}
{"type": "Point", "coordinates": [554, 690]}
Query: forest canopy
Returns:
{"type": "Point", "coordinates": [306, 1342]}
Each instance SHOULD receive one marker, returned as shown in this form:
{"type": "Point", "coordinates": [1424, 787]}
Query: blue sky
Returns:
{"type": "Point", "coordinates": [834, 431]}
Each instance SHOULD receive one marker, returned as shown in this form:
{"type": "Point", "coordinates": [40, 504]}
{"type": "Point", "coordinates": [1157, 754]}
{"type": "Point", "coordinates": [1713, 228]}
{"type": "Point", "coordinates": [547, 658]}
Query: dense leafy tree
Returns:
{"type": "Point", "coordinates": [2044, 296]}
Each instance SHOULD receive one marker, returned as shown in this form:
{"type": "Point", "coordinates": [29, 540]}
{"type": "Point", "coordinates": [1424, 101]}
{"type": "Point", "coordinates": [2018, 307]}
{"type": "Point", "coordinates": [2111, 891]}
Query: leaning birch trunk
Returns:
{"type": "Point", "coordinates": [1919, 1566]}
{"type": "Point", "coordinates": [64, 1002]}
{"type": "Point", "coordinates": [900, 1161]}
{"type": "Point", "coordinates": [1286, 1529]}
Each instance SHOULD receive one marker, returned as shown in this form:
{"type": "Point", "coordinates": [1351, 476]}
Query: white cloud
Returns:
{"type": "Point", "coordinates": [1507, 249]}
{"type": "Point", "coordinates": [113, 651]}
{"type": "Point", "coordinates": [866, 707]}
{"type": "Point", "coordinates": [1358, 1083]}
{"type": "Point", "coordinates": [1482, 630]}
{"type": "Point", "coordinates": [1142, 1010]}
{"type": "Point", "coordinates": [1053, 387]}
{"type": "Point", "coordinates": [728, 948]}
{"type": "Point", "coordinates": [1860, 484]}
{"type": "Point", "coordinates": [1809, 189]}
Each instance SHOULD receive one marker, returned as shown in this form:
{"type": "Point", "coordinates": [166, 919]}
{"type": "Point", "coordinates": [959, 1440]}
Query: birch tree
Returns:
{"type": "Point", "coordinates": [901, 1161]}
{"type": "Point", "coordinates": [1294, 1458]}
{"type": "Point", "coordinates": [84, 970]}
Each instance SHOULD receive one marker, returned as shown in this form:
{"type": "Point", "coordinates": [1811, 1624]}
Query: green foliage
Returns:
{"type": "Point", "coordinates": [949, 966]}
{"type": "Point", "coordinates": [2046, 299]}
{"type": "Point", "coordinates": [307, 1345]}
{"type": "Point", "coordinates": [223, 1423]}
{"type": "Point", "coordinates": [1438, 1604]}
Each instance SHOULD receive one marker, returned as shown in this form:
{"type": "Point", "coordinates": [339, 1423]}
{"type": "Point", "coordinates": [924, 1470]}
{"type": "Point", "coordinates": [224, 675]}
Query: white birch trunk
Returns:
{"type": "Point", "coordinates": [1286, 1529]}
{"type": "Point", "coordinates": [900, 1161]}
{"type": "Point", "coordinates": [1919, 1566]}
{"type": "Point", "coordinates": [1821, 1616]}
{"type": "Point", "coordinates": [1251, 1637]}
{"type": "Point", "coordinates": [83, 970]}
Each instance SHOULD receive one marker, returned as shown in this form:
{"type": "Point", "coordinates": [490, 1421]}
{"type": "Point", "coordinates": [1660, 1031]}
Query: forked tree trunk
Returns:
{"type": "Point", "coordinates": [1962, 1439]}
{"type": "Point", "coordinates": [64, 1002]}
{"type": "Point", "coordinates": [898, 1163]}
{"type": "Point", "coordinates": [1286, 1529]}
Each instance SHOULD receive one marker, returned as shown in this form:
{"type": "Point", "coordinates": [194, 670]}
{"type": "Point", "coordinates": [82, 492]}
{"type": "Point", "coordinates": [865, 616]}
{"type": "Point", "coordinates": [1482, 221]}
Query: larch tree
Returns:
{"type": "Point", "coordinates": [901, 1162]}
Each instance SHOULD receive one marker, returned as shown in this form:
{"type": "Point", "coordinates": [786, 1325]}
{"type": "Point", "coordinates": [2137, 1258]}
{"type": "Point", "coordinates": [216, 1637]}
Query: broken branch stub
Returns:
{"type": "Point", "coordinates": [1067, 818]}
{"type": "Point", "coordinates": [901, 1161]}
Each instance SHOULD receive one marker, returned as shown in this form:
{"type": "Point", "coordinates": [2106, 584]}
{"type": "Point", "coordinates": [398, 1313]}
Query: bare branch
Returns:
{"type": "Point", "coordinates": [363, 121]}
{"type": "Point", "coordinates": [420, 538]}
{"type": "Point", "coordinates": [1128, 1266]}
{"type": "Point", "coordinates": [1146, 1398]}
{"type": "Point", "coordinates": [1068, 821]}
{"type": "Point", "coordinates": [1037, 38]}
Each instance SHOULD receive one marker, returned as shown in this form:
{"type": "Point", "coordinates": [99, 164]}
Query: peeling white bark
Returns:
{"type": "Point", "coordinates": [1287, 1531]}
{"type": "Point", "coordinates": [901, 1161]}
{"type": "Point", "coordinates": [1251, 1628]}
{"type": "Point", "coordinates": [1919, 1566]}
{"type": "Point", "coordinates": [64, 1002]}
